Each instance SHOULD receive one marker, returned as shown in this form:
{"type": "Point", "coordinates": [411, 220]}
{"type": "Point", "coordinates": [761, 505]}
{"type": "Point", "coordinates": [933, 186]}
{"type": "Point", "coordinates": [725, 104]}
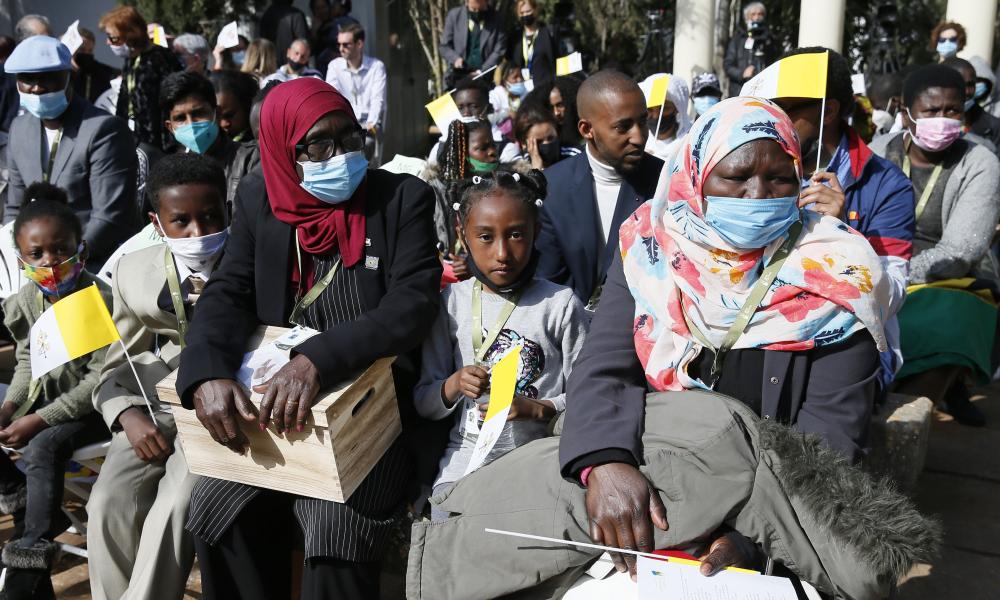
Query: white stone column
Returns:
{"type": "Point", "coordinates": [694, 30]}
{"type": "Point", "coordinates": [821, 23]}
{"type": "Point", "coordinates": [977, 17]}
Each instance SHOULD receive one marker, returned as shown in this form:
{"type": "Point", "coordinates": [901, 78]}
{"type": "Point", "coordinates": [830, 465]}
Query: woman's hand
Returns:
{"type": "Point", "coordinates": [6, 414]}
{"type": "Point", "coordinates": [828, 199]}
{"type": "Point", "coordinates": [148, 442]}
{"type": "Point", "coordinates": [525, 409]}
{"type": "Point", "coordinates": [536, 156]}
{"type": "Point", "coordinates": [471, 382]}
{"type": "Point", "coordinates": [21, 431]}
{"type": "Point", "coordinates": [729, 550]}
{"type": "Point", "coordinates": [623, 507]}
{"type": "Point", "coordinates": [290, 394]}
{"type": "Point", "coordinates": [217, 55]}
{"type": "Point", "coordinates": [217, 402]}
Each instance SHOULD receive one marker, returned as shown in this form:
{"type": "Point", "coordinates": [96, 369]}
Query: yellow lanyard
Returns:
{"type": "Point", "coordinates": [130, 86]}
{"type": "Point", "coordinates": [528, 48]}
{"type": "Point", "coordinates": [52, 155]}
{"type": "Point", "coordinates": [479, 345]}
{"type": "Point", "coordinates": [314, 292]}
{"type": "Point", "coordinates": [925, 196]}
{"type": "Point", "coordinates": [749, 307]}
{"type": "Point", "coordinates": [174, 284]}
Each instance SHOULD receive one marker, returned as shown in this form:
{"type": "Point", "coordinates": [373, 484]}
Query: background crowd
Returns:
{"type": "Point", "coordinates": [805, 256]}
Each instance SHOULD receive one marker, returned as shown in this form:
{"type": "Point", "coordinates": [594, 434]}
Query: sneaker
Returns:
{"type": "Point", "coordinates": [957, 404]}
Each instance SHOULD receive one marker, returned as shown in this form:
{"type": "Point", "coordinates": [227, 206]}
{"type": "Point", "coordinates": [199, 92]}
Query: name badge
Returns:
{"type": "Point", "coordinates": [748, 44]}
{"type": "Point", "coordinates": [371, 262]}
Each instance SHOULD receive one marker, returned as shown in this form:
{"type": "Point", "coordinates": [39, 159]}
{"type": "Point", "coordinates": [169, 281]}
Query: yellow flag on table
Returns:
{"type": "Point", "coordinates": [443, 110]}
{"type": "Point", "coordinates": [799, 76]}
{"type": "Point", "coordinates": [76, 325]}
{"type": "Point", "coordinates": [569, 64]}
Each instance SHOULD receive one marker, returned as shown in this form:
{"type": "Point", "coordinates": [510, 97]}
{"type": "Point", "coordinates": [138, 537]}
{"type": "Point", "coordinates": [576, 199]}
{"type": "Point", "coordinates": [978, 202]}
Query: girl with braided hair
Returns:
{"type": "Point", "coordinates": [482, 318]}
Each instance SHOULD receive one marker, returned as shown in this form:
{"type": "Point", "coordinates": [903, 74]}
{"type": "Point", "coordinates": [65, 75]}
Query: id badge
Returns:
{"type": "Point", "coordinates": [470, 425]}
{"type": "Point", "coordinates": [294, 336]}
{"type": "Point", "coordinates": [748, 44]}
{"type": "Point", "coordinates": [131, 125]}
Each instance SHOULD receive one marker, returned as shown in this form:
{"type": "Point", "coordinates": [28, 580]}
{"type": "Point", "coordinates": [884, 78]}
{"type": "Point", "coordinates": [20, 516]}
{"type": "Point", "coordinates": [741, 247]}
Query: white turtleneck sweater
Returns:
{"type": "Point", "coordinates": [607, 183]}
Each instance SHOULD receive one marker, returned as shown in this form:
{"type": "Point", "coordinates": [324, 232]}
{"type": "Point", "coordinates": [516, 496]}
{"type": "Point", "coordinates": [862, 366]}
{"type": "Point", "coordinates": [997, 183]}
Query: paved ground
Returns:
{"type": "Point", "coordinates": [961, 484]}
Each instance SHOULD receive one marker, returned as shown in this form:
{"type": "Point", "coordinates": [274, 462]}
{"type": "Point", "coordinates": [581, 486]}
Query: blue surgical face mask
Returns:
{"type": "Point", "coordinates": [703, 103]}
{"type": "Point", "coordinates": [981, 90]}
{"type": "Point", "coordinates": [197, 136]}
{"type": "Point", "coordinates": [334, 180]}
{"type": "Point", "coordinates": [946, 49]}
{"type": "Point", "coordinates": [238, 57]}
{"type": "Point", "coordinates": [45, 106]}
{"type": "Point", "coordinates": [748, 223]}
{"type": "Point", "coordinates": [518, 89]}
{"type": "Point", "coordinates": [969, 104]}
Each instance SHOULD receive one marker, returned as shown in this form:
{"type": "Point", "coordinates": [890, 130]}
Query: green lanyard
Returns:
{"type": "Point", "coordinates": [925, 196]}
{"type": "Point", "coordinates": [52, 156]}
{"type": "Point", "coordinates": [174, 283]}
{"type": "Point", "coordinates": [749, 307]}
{"type": "Point", "coordinates": [479, 345]}
{"type": "Point", "coordinates": [315, 291]}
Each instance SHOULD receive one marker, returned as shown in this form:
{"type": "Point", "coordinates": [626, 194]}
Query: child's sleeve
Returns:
{"type": "Point", "coordinates": [438, 363]}
{"type": "Point", "coordinates": [17, 323]}
{"type": "Point", "coordinates": [574, 333]}
{"type": "Point", "coordinates": [111, 395]}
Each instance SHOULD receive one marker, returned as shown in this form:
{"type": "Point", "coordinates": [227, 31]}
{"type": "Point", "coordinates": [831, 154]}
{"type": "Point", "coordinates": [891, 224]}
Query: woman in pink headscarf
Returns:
{"type": "Point", "coordinates": [314, 218]}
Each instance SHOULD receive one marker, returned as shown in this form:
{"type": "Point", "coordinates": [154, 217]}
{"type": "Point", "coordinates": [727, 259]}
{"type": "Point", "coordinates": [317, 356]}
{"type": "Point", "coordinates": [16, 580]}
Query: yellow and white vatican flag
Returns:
{"type": "Point", "coordinates": [72, 327]}
{"type": "Point", "coordinates": [76, 325]}
{"type": "Point", "coordinates": [568, 64]}
{"type": "Point", "coordinates": [799, 76]}
{"type": "Point", "coordinates": [443, 110]}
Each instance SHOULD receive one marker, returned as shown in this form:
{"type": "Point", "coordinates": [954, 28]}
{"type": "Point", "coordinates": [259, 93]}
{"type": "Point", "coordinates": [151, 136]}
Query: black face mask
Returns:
{"type": "Point", "coordinates": [549, 152]}
{"type": "Point", "coordinates": [84, 61]}
{"type": "Point", "coordinates": [528, 20]}
{"type": "Point", "coordinates": [523, 279]}
{"type": "Point", "coordinates": [296, 66]}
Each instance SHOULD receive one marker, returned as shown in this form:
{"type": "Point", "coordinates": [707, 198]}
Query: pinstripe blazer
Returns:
{"type": "Point", "coordinates": [391, 298]}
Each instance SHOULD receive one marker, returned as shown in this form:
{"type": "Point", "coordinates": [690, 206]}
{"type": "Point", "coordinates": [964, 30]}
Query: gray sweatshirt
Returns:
{"type": "Point", "coordinates": [551, 323]}
{"type": "Point", "coordinates": [969, 214]}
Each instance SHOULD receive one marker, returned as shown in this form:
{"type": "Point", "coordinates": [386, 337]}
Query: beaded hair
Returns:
{"type": "Point", "coordinates": [454, 154]}
{"type": "Point", "coordinates": [529, 188]}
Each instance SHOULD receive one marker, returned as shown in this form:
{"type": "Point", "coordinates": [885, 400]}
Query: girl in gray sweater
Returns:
{"type": "Point", "coordinates": [499, 217]}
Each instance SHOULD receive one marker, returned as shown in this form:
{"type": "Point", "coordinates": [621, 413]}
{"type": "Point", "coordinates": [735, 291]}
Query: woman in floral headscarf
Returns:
{"type": "Point", "coordinates": [723, 258]}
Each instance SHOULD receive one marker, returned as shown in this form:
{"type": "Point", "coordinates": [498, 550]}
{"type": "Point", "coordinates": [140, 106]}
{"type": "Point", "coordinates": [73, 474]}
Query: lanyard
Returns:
{"type": "Point", "coordinates": [52, 155]}
{"type": "Point", "coordinates": [528, 48]}
{"type": "Point", "coordinates": [749, 307]}
{"type": "Point", "coordinates": [130, 85]}
{"type": "Point", "coordinates": [925, 196]}
{"type": "Point", "coordinates": [314, 292]}
{"type": "Point", "coordinates": [174, 283]}
{"type": "Point", "coordinates": [479, 345]}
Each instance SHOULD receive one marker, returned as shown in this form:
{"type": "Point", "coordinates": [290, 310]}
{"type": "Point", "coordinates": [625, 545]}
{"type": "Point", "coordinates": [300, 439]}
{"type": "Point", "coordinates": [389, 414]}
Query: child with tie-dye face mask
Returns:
{"type": "Point", "coordinates": [46, 418]}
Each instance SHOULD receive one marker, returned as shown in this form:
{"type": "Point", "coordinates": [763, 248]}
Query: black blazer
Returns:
{"type": "Point", "coordinates": [252, 286]}
{"type": "Point", "coordinates": [543, 62]}
{"type": "Point", "coordinates": [830, 390]}
{"type": "Point", "coordinates": [571, 245]}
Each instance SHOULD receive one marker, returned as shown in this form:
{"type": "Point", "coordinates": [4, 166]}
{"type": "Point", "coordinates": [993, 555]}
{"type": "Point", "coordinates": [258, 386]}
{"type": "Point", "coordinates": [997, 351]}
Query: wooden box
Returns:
{"type": "Point", "coordinates": [350, 428]}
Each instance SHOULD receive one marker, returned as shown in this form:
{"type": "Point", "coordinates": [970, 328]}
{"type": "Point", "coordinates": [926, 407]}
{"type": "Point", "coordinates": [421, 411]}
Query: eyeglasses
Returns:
{"type": "Point", "coordinates": [320, 150]}
{"type": "Point", "coordinates": [948, 39]}
{"type": "Point", "coordinates": [115, 41]}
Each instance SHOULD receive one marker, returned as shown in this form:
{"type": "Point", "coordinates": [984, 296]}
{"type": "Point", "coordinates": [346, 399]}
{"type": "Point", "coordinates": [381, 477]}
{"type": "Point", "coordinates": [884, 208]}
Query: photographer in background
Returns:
{"type": "Point", "coordinates": [748, 54]}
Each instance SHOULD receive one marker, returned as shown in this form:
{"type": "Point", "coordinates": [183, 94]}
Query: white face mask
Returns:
{"type": "Point", "coordinates": [198, 253]}
{"type": "Point", "coordinates": [121, 50]}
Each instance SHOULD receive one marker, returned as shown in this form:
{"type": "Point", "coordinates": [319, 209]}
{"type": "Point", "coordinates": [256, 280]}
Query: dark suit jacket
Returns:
{"type": "Point", "coordinates": [95, 163]}
{"type": "Point", "coordinates": [571, 245]}
{"type": "Point", "coordinates": [493, 40]}
{"type": "Point", "coordinates": [543, 61]}
{"type": "Point", "coordinates": [830, 390]}
{"type": "Point", "coordinates": [252, 286]}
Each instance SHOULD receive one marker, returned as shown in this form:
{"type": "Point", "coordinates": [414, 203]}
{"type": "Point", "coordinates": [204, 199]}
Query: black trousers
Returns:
{"type": "Point", "coordinates": [253, 560]}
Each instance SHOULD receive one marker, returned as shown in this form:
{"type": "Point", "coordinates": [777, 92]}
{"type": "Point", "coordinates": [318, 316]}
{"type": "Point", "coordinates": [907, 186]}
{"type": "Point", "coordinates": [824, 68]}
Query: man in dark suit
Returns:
{"type": "Point", "coordinates": [473, 40]}
{"type": "Point", "coordinates": [591, 194]}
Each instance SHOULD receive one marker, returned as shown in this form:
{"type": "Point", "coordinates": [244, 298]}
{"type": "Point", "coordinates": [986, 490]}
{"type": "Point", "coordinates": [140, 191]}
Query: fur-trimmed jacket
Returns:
{"type": "Point", "coordinates": [713, 463]}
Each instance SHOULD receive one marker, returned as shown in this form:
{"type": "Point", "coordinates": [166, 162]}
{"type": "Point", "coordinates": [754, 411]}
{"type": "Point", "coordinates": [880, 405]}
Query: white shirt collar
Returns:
{"type": "Point", "coordinates": [602, 172]}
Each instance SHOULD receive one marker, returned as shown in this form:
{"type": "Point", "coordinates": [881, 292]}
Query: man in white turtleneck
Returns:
{"type": "Point", "coordinates": [590, 195]}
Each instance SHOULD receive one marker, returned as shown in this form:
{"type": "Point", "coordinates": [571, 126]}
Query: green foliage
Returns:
{"type": "Point", "coordinates": [195, 16]}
